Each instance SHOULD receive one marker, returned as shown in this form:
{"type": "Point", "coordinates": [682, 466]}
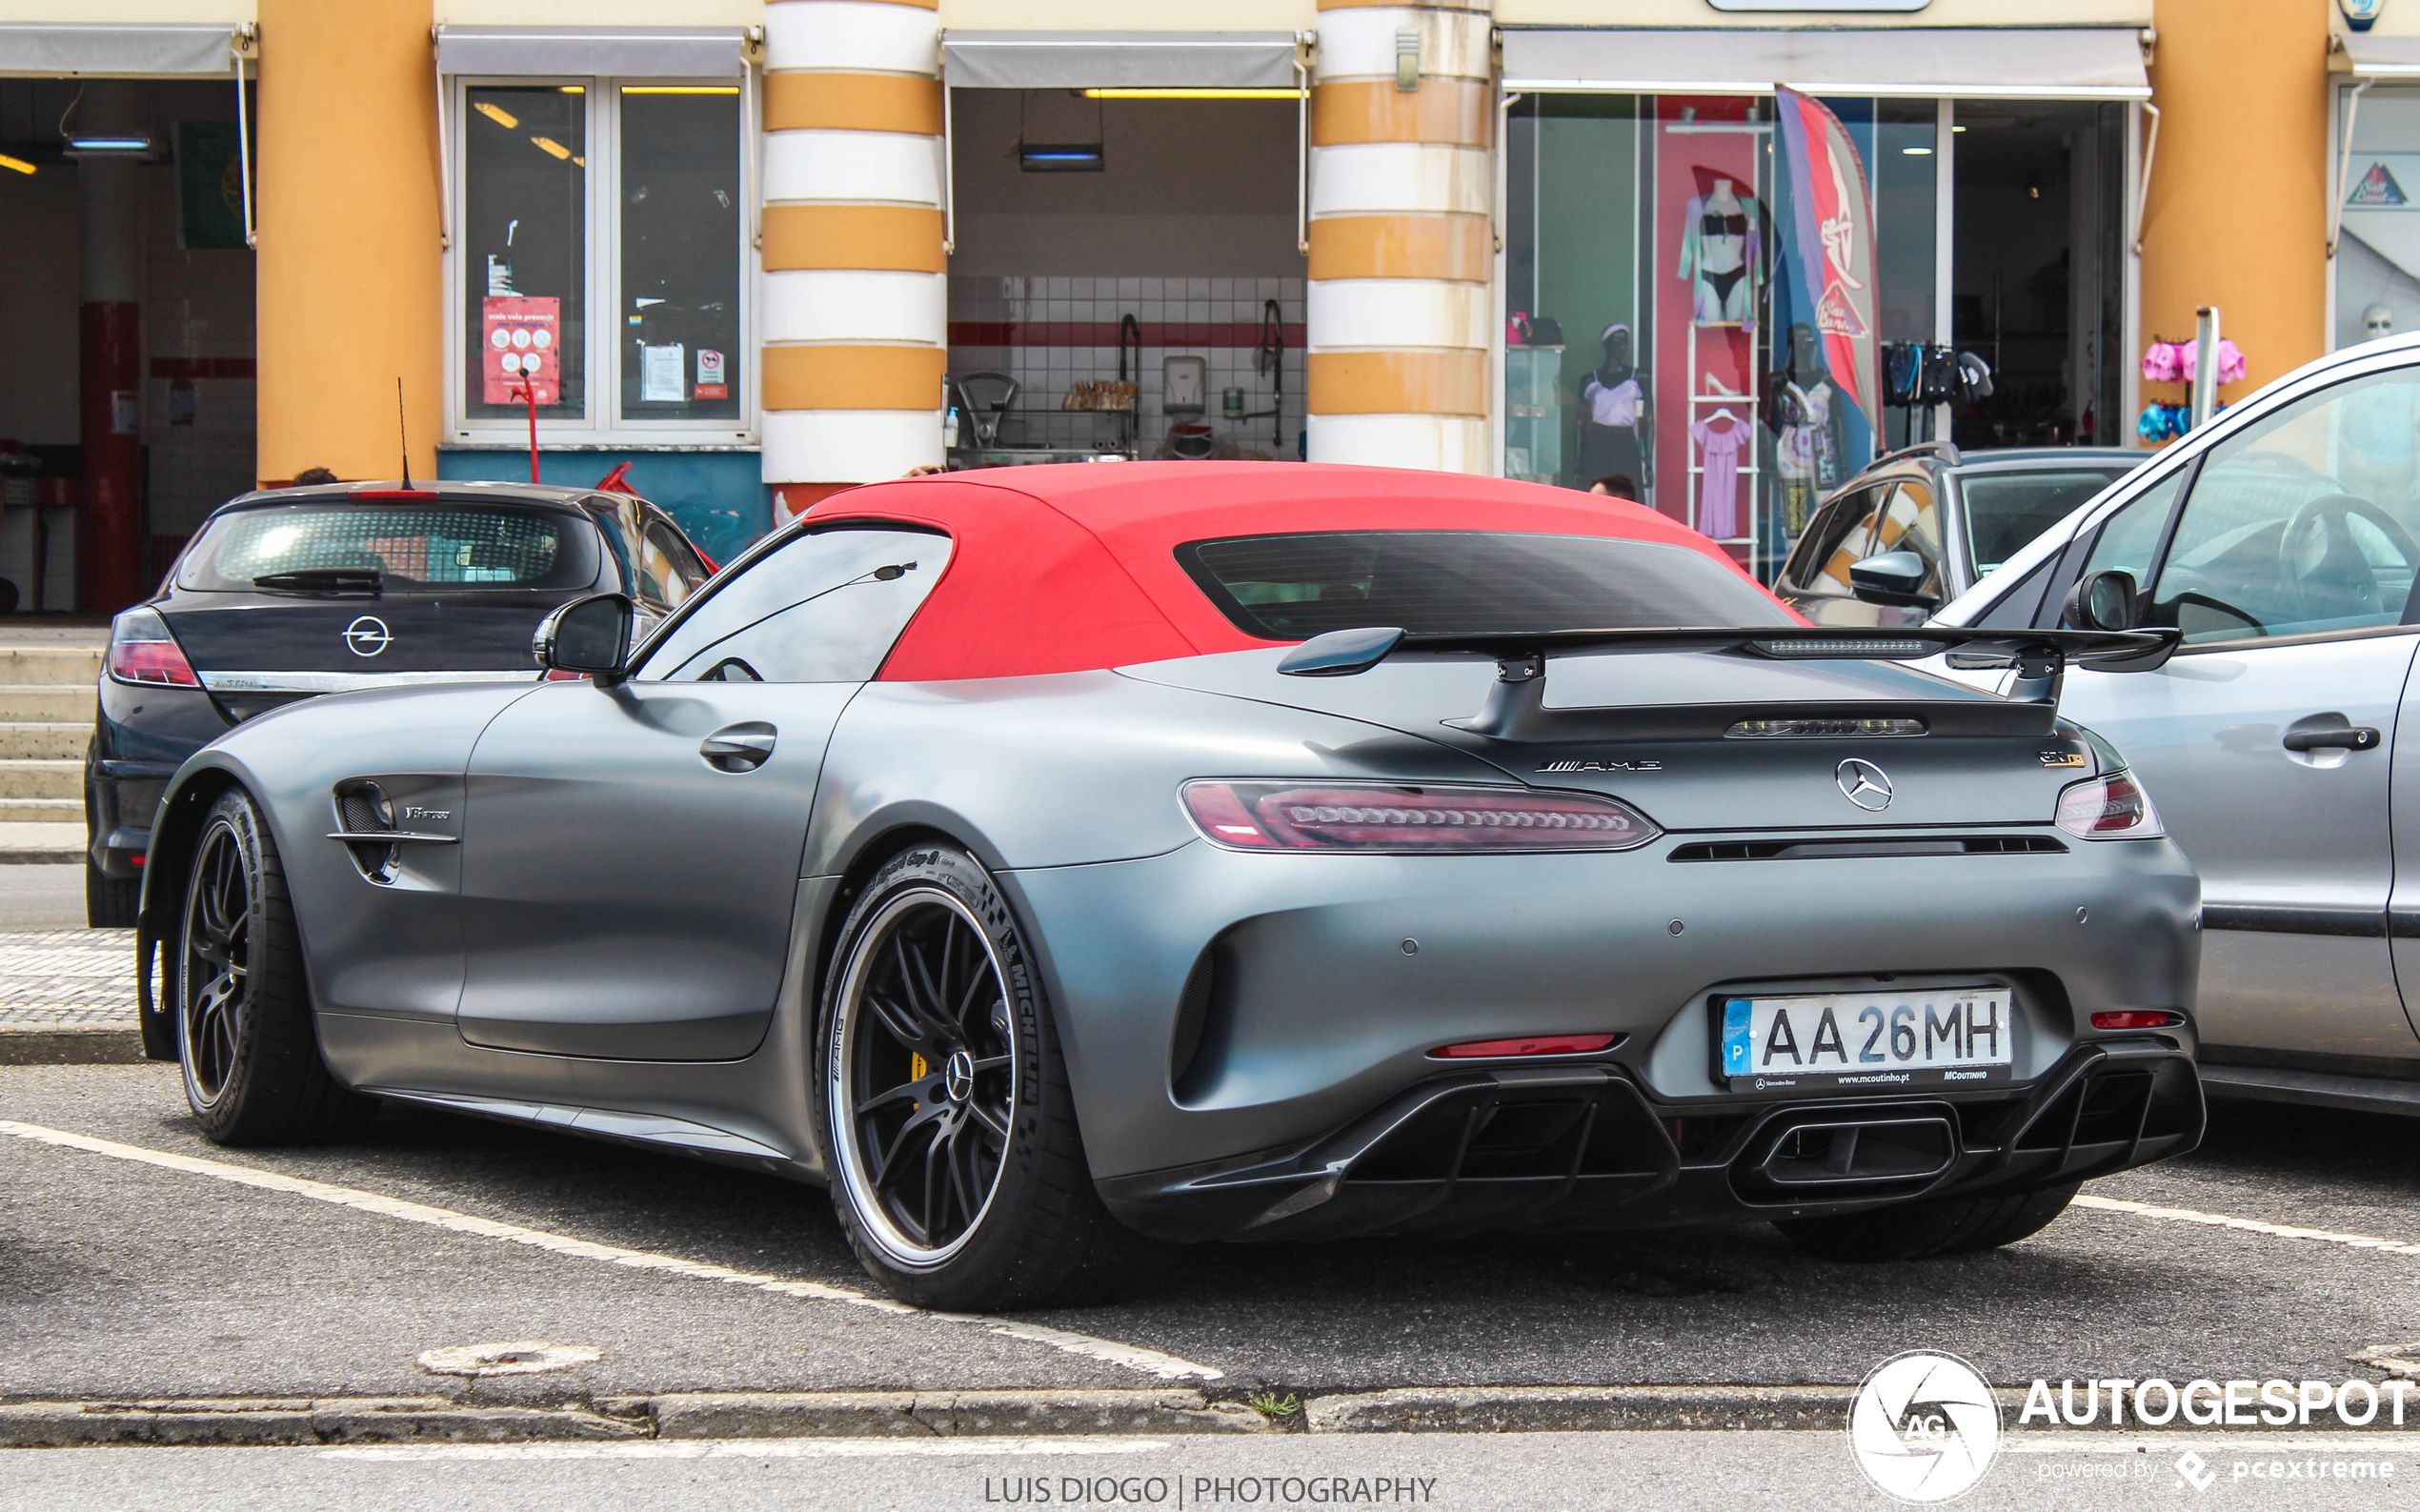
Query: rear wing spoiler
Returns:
{"type": "Point", "coordinates": [1516, 705]}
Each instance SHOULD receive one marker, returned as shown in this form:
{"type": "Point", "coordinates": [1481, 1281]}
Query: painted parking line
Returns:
{"type": "Point", "coordinates": [2249, 1225]}
{"type": "Point", "coordinates": [754, 1449]}
{"type": "Point", "coordinates": [1108, 1351]}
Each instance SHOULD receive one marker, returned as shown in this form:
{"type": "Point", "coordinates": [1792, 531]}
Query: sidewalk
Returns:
{"type": "Point", "coordinates": [67, 996]}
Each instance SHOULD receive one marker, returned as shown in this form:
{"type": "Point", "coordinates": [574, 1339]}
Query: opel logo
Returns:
{"type": "Point", "coordinates": [367, 637]}
{"type": "Point", "coordinates": [1866, 784]}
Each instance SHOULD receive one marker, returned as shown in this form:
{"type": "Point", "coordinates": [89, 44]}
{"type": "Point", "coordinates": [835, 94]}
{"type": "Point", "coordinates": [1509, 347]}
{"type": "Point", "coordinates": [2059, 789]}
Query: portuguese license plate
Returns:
{"type": "Point", "coordinates": [1934, 1037]}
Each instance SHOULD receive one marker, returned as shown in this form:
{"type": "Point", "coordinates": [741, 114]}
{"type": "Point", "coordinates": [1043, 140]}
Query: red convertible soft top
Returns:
{"type": "Point", "coordinates": [1074, 568]}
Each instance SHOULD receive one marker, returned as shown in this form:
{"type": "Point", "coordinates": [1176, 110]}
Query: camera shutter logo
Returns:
{"type": "Point", "coordinates": [367, 637]}
{"type": "Point", "coordinates": [1863, 784]}
{"type": "Point", "coordinates": [1923, 1427]}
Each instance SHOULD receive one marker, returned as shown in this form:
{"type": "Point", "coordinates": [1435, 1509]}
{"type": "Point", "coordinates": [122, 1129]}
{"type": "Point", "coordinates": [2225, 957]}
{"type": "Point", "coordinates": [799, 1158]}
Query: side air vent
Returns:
{"type": "Point", "coordinates": [1849, 850]}
{"type": "Point", "coordinates": [362, 808]}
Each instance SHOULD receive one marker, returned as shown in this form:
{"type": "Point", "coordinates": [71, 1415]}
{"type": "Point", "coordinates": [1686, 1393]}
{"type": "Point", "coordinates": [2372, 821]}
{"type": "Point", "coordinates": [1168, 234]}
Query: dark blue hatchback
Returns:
{"type": "Point", "coordinates": [291, 593]}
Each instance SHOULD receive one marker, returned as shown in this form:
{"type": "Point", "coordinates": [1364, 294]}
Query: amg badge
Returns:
{"type": "Point", "coordinates": [1600, 766]}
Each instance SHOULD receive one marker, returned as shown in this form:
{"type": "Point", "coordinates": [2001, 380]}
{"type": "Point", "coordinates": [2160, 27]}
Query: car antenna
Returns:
{"type": "Point", "coordinates": [403, 437]}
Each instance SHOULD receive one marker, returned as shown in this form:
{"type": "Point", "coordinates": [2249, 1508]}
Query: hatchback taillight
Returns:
{"type": "Point", "coordinates": [2109, 808]}
{"type": "Point", "coordinates": [141, 651]}
{"type": "Point", "coordinates": [1374, 817]}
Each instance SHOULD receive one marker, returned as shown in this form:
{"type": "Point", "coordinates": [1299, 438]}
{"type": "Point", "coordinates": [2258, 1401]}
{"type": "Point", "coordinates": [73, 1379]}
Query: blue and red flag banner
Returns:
{"type": "Point", "coordinates": [1832, 237]}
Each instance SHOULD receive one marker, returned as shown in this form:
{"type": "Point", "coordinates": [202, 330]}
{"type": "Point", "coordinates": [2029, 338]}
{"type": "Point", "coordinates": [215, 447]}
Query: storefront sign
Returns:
{"type": "Point", "coordinates": [1832, 235]}
{"type": "Point", "coordinates": [519, 334]}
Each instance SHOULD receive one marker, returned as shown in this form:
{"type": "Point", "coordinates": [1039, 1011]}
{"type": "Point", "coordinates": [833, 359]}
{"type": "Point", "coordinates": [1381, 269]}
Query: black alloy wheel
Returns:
{"type": "Point", "coordinates": [948, 1125]}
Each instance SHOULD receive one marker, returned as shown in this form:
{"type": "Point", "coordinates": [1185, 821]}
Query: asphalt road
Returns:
{"type": "Point", "coordinates": [1669, 1472]}
{"type": "Point", "coordinates": [125, 1279]}
{"type": "Point", "coordinates": [47, 896]}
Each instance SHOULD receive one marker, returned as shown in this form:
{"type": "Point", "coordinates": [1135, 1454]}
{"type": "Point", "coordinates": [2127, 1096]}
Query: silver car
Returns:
{"type": "Point", "coordinates": [2281, 540]}
{"type": "Point", "coordinates": [1207, 852]}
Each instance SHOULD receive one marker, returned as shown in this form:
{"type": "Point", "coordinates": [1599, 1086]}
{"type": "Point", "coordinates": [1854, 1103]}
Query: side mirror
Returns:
{"type": "Point", "coordinates": [590, 636]}
{"type": "Point", "coordinates": [2107, 599]}
{"type": "Point", "coordinates": [1893, 577]}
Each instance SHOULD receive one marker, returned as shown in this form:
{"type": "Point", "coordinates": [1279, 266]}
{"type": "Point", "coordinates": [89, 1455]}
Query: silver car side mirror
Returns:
{"type": "Point", "coordinates": [587, 636]}
{"type": "Point", "coordinates": [2107, 599]}
{"type": "Point", "coordinates": [1895, 578]}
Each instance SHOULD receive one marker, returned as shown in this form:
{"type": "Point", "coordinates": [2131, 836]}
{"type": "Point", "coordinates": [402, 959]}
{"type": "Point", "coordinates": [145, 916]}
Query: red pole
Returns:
{"type": "Point", "coordinates": [528, 392]}
{"type": "Point", "coordinates": [110, 527]}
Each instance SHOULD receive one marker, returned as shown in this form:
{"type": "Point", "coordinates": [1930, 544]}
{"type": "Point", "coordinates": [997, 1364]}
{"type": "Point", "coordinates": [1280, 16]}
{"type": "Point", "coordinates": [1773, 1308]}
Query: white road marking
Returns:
{"type": "Point", "coordinates": [2187, 1214]}
{"type": "Point", "coordinates": [1108, 1351]}
{"type": "Point", "coordinates": [753, 1449]}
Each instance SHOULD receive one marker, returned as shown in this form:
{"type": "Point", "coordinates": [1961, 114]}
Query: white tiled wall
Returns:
{"type": "Point", "coordinates": [1045, 373]}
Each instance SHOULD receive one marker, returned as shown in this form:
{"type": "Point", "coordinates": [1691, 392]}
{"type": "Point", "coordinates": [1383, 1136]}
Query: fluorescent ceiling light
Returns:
{"type": "Point", "coordinates": [498, 115]}
{"type": "Point", "coordinates": [19, 164]}
{"type": "Point", "coordinates": [572, 89]}
{"type": "Point", "coordinates": [109, 146]}
{"type": "Point", "coordinates": [1191, 94]}
{"type": "Point", "coordinates": [1917, 151]}
{"type": "Point", "coordinates": [551, 147]}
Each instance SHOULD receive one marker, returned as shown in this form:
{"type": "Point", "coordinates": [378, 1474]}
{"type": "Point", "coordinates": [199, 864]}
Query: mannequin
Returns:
{"type": "Point", "coordinates": [1614, 421]}
{"type": "Point", "coordinates": [1720, 236]}
{"type": "Point", "coordinates": [1805, 411]}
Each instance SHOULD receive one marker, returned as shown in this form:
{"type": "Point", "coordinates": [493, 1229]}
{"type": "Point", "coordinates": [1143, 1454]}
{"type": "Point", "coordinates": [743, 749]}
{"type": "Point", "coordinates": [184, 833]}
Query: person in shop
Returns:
{"type": "Point", "coordinates": [1615, 420]}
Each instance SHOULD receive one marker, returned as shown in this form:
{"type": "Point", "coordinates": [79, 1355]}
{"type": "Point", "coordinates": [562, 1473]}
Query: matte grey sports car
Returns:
{"type": "Point", "coordinates": [1058, 863]}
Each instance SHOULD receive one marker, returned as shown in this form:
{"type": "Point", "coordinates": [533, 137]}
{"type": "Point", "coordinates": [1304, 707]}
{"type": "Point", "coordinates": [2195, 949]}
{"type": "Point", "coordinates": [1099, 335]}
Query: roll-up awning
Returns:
{"type": "Point", "coordinates": [631, 52]}
{"type": "Point", "coordinates": [2039, 63]}
{"type": "Point", "coordinates": [2366, 56]}
{"type": "Point", "coordinates": [1103, 60]}
{"type": "Point", "coordinates": [115, 52]}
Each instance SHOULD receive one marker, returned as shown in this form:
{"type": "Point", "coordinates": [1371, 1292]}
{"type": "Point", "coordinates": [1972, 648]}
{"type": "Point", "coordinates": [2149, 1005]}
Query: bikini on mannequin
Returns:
{"type": "Point", "coordinates": [1614, 425]}
{"type": "Point", "coordinates": [1719, 240]}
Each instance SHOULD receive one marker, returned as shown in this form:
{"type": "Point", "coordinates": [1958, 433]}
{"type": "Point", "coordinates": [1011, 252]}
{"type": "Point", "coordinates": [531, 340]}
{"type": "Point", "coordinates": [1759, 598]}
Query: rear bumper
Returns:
{"type": "Point", "coordinates": [1586, 1148]}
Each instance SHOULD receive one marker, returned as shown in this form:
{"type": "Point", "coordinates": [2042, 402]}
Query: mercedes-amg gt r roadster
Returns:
{"type": "Point", "coordinates": [1061, 862]}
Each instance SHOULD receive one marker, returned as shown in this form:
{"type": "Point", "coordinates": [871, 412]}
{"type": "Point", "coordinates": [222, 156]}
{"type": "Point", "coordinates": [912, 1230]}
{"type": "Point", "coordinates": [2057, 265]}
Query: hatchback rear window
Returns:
{"type": "Point", "coordinates": [1293, 587]}
{"type": "Point", "coordinates": [2006, 510]}
{"type": "Point", "coordinates": [442, 545]}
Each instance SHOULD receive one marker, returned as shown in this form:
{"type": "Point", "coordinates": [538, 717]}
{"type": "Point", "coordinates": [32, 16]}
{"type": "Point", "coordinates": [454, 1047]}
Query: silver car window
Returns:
{"type": "Point", "coordinates": [825, 608]}
{"type": "Point", "coordinates": [2304, 523]}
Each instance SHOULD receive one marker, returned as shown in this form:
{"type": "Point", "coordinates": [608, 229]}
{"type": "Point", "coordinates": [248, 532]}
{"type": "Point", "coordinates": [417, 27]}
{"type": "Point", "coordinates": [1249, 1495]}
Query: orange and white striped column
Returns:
{"type": "Point", "coordinates": [855, 292]}
{"type": "Point", "coordinates": [1402, 184]}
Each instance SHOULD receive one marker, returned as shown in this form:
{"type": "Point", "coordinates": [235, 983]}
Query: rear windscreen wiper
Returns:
{"type": "Point", "coordinates": [324, 579]}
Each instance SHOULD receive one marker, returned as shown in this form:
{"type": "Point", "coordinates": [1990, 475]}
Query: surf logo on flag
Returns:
{"type": "Point", "coordinates": [1832, 232]}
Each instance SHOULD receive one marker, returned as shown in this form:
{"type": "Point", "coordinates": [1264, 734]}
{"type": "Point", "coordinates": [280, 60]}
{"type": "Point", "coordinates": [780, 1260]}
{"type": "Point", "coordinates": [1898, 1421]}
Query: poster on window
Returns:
{"type": "Point", "coordinates": [711, 384]}
{"type": "Point", "coordinates": [519, 334]}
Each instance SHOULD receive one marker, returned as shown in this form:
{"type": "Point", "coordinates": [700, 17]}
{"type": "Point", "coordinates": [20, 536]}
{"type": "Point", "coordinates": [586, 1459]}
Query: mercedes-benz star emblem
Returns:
{"type": "Point", "coordinates": [958, 1076]}
{"type": "Point", "coordinates": [367, 637]}
{"type": "Point", "coordinates": [1866, 784]}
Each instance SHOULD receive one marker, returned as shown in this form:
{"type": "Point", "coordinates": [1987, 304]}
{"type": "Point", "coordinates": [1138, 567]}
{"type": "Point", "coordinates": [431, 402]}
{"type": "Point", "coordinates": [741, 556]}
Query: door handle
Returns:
{"type": "Point", "coordinates": [739, 747]}
{"type": "Point", "coordinates": [2360, 738]}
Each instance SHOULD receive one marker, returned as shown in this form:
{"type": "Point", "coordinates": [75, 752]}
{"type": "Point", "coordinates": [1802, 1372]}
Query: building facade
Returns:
{"type": "Point", "coordinates": [745, 253]}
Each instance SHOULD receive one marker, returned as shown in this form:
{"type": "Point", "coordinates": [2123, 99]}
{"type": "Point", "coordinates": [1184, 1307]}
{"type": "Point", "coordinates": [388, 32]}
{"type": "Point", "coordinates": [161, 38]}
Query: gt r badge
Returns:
{"type": "Point", "coordinates": [1863, 784]}
{"type": "Point", "coordinates": [2062, 758]}
{"type": "Point", "coordinates": [367, 637]}
{"type": "Point", "coordinates": [1600, 766]}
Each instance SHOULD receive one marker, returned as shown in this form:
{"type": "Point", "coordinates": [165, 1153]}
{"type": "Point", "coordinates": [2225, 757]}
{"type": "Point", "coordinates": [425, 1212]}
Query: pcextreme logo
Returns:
{"type": "Point", "coordinates": [1923, 1427]}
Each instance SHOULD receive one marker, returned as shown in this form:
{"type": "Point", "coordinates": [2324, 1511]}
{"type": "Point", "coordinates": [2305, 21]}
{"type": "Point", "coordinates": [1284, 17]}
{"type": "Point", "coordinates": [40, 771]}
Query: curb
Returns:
{"type": "Point", "coordinates": [692, 1415]}
{"type": "Point", "coordinates": [70, 1047]}
{"type": "Point", "coordinates": [262, 1420]}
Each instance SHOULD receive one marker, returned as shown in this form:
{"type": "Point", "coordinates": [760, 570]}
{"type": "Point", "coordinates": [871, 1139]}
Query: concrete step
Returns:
{"type": "Point", "coordinates": [49, 666]}
{"type": "Point", "coordinates": [51, 701]}
{"type": "Point", "coordinates": [45, 738]}
{"type": "Point", "coordinates": [49, 781]}
{"type": "Point", "coordinates": [38, 811]}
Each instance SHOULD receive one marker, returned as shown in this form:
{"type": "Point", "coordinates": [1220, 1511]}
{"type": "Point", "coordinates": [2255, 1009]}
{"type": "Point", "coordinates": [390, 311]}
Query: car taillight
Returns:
{"type": "Point", "coordinates": [1527, 1045]}
{"type": "Point", "coordinates": [1374, 817]}
{"type": "Point", "coordinates": [2136, 1018]}
{"type": "Point", "coordinates": [141, 651]}
{"type": "Point", "coordinates": [2109, 808]}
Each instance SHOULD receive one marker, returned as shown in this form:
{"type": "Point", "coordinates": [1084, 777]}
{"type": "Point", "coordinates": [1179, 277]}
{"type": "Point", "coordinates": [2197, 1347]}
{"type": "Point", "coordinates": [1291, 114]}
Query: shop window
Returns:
{"type": "Point", "coordinates": [601, 229]}
{"type": "Point", "coordinates": [2377, 282]}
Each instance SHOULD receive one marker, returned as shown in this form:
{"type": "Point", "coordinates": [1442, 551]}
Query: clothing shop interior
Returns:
{"type": "Point", "coordinates": [2377, 266]}
{"type": "Point", "coordinates": [127, 303]}
{"type": "Point", "coordinates": [1126, 280]}
{"type": "Point", "coordinates": [1665, 341]}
